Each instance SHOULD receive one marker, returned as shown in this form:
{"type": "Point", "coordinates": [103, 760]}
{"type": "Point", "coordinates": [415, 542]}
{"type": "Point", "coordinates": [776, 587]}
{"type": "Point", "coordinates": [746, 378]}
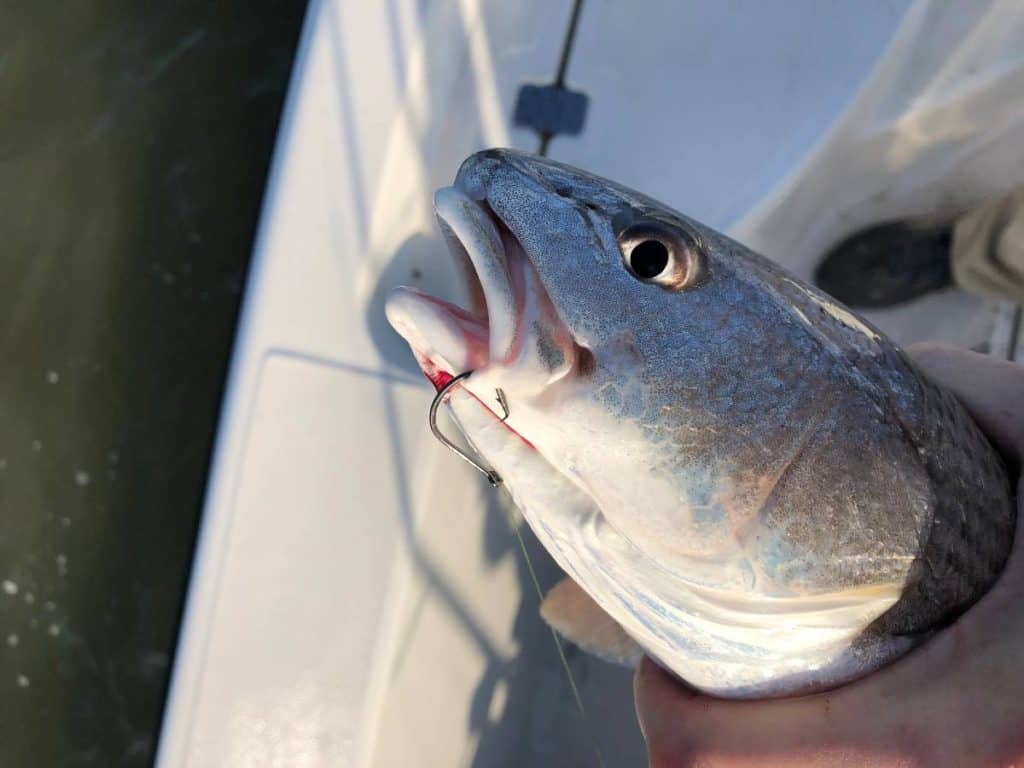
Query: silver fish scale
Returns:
{"type": "Point", "coordinates": [973, 516]}
{"type": "Point", "coordinates": [973, 521]}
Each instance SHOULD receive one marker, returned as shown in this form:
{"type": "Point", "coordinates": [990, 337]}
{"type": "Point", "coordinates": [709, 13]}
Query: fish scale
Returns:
{"type": "Point", "coordinates": [963, 550]}
{"type": "Point", "coordinates": [965, 547]}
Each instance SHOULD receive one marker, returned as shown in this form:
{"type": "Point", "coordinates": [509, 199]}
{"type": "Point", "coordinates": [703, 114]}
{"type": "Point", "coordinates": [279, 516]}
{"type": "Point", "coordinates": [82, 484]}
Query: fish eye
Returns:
{"type": "Point", "coordinates": [648, 258]}
{"type": "Point", "coordinates": [655, 253]}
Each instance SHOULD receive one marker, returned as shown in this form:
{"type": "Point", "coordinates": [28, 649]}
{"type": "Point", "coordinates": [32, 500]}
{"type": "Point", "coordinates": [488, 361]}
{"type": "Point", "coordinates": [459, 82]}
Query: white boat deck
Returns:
{"type": "Point", "coordinates": [357, 597]}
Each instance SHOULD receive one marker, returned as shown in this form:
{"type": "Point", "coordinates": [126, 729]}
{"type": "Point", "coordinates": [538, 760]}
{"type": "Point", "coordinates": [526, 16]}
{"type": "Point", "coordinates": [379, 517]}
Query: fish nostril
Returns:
{"type": "Point", "coordinates": [648, 258]}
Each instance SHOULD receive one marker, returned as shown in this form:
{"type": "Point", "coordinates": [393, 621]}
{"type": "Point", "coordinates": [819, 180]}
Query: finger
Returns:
{"type": "Point", "coordinates": [991, 389]}
{"type": "Point", "coordinates": [684, 728]}
{"type": "Point", "coordinates": [658, 695]}
{"type": "Point", "coordinates": [664, 715]}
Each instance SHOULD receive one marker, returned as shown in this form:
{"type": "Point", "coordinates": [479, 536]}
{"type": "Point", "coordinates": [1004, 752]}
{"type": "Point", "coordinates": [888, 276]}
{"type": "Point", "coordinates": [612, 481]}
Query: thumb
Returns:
{"type": "Point", "coordinates": [664, 707]}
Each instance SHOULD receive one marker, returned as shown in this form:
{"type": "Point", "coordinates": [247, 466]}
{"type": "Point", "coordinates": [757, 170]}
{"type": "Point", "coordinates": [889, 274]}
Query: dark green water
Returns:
{"type": "Point", "coordinates": [134, 144]}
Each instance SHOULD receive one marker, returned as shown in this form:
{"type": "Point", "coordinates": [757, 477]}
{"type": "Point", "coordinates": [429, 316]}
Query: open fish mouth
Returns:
{"type": "Point", "coordinates": [510, 327]}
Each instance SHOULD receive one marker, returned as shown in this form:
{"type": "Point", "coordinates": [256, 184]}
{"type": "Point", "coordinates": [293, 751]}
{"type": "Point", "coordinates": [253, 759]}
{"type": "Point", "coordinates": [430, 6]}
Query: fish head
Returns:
{"type": "Point", "coordinates": [716, 452]}
{"type": "Point", "coordinates": [622, 335]}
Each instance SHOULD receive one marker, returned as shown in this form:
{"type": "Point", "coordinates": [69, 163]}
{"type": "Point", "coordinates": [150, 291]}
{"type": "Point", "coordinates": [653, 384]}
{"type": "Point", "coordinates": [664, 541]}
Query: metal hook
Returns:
{"type": "Point", "coordinates": [492, 477]}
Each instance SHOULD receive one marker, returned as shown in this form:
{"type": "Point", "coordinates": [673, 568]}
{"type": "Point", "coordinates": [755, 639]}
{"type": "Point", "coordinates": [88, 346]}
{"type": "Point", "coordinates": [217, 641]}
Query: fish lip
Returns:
{"type": "Point", "coordinates": [509, 313]}
{"type": "Point", "coordinates": [489, 263]}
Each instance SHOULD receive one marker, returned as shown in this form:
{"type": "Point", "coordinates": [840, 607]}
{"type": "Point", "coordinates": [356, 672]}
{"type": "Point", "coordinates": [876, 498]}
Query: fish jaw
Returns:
{"type": "Point", "coordinates": [510, 335]}
{"type": "Point", "coordinates": [445, 339]}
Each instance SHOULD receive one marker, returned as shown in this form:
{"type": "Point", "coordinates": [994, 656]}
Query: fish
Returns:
{"type": "Point", "coordinates": [740, 477]}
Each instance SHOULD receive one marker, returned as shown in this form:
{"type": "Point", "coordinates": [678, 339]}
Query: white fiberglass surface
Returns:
{"type": "Point", "coordinates": [358, 597]}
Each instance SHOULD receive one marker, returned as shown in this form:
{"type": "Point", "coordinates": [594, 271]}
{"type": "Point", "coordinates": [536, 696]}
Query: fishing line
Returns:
{"type": "Point", "coordinates": [495, 480]}
{"type": "Point", "coordinates": [542, 150]}
{"type": "Point", "coordinates": [558, 643]}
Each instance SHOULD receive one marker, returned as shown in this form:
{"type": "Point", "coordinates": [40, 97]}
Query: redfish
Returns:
{"type": "Point", "coordinates": [749, 483]}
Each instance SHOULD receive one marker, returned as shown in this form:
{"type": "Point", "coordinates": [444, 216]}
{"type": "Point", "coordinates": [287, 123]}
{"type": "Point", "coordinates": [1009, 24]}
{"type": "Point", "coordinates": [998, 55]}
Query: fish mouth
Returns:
{"type": "Point", "coordinates": [510, 328]}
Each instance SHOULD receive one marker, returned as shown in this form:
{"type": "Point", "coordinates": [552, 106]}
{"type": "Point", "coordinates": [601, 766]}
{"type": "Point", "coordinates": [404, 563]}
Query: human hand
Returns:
{"type": "Point", "coordinates": [958, 700]}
